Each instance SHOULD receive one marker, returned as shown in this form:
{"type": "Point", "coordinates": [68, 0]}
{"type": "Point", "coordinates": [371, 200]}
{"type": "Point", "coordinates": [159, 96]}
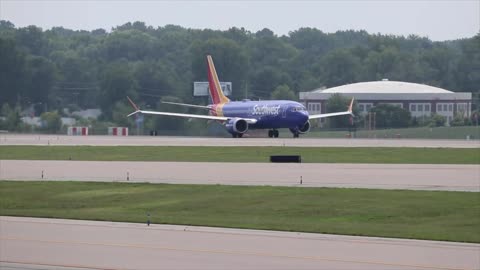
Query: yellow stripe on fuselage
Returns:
{"type": "Point", "coordinates": [219, 109]}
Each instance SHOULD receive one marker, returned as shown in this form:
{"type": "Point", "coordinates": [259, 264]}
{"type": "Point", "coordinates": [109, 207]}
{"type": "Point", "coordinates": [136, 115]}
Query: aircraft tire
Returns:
{"type": "Point", "coordinates": [275, 133]}
{"type": "Point", "coordinates": [270, 133]}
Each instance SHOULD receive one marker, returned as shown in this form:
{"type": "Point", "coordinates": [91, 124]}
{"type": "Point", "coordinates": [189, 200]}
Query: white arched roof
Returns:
{"type": "Point", "coordinates": [384, 87]}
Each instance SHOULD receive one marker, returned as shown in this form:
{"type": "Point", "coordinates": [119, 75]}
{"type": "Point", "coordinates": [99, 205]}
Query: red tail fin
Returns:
{"type": "Point", "coordinates": [216, 92]}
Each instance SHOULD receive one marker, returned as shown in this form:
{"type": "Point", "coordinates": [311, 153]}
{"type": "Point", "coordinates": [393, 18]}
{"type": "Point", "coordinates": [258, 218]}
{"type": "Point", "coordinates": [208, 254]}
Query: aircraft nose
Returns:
{"type": "Point", "coordinates": [304, 116]}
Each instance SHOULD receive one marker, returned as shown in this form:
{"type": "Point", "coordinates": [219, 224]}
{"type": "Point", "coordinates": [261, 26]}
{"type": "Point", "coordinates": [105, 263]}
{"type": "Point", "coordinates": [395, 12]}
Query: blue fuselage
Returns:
{"type": "Point", "coordinates": [271, 114]}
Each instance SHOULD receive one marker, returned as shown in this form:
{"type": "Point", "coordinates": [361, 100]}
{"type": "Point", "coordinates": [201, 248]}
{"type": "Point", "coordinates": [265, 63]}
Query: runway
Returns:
{"type": "Point", "coordinates": [33, 243]}
{"type": "Point", "coordinates": [376, 176]}
{"type": "Point", "coordinates": [22, 139]}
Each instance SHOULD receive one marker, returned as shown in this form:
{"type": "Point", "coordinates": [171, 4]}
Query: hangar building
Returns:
{"type": "Point", "coordinates": [421, 100]}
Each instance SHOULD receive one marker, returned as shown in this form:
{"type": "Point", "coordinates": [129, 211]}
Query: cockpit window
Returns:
{"type": "Point", "coordinates": [298, 109]}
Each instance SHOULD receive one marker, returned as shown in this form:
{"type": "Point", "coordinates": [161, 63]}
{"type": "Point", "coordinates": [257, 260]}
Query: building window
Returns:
{"type": "Point", "coordinates": [413, 107]}
{"type": "Point", "coordinates": [439, 107]}
{"type": "Point", "coordinates": [445, 107]}
{"type": "Point", "coordinates": [427, 107]}
{"type": "Point", "coordinates": [313, 107]}
{"type": "Point", "coordinates": [420, 107]}
{"type": "Point", "coordinates": [365, 107]}
{"type": "Point", "coordinates": [450, 107]}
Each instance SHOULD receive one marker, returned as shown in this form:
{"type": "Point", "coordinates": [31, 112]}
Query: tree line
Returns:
{"type": "Point", "coordinates": [62, 68]}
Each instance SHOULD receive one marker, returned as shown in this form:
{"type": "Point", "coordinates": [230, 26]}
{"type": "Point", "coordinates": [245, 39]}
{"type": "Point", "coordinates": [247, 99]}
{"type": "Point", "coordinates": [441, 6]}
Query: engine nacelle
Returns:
{"type": "Point", "coordinates": [236, 126]}
{"type": "Point", "coordinates": [305, 128]}
{"type": "Point", "coordinates": [302, 129]}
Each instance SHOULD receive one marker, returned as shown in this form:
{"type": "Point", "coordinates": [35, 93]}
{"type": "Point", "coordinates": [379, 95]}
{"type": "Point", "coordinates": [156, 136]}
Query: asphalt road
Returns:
{"type": "Point", "coordinates": [377, 176]}
{"type": "Point", "coordinates": [21, 139]}
{"type": "Point", "coordinates": [32, 243]}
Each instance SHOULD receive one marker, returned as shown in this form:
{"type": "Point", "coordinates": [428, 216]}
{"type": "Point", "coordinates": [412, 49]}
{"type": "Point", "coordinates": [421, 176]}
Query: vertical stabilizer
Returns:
{"type": "Point", "coordinates": [216, 92]}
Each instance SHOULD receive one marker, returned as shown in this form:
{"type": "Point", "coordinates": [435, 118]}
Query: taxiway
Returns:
{"type": "Point", "coordinates": [22, 139]}
{"type": "Point", "coordinates": [33, 243]}
{"type": "Point", "coordinates": [377, 176]}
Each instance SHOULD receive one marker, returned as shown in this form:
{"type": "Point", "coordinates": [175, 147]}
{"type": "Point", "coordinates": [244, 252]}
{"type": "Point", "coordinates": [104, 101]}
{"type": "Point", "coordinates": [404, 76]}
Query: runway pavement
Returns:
{"type": "Point", "coordinates": [32, 243]}
{"type": "Point", "coordinates": [377, 176]}
{"type": "Point", "coordinates": [21, 139]}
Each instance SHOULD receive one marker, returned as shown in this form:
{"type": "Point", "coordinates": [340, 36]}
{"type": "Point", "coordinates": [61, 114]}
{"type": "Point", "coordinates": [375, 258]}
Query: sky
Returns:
{"type": "Point", "coordinates": [436, 19]}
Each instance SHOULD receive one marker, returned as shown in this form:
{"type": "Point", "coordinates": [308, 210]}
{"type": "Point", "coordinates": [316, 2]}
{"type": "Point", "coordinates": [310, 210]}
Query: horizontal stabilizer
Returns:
{"type": "Point", "coordinates": [187, 105]}
{"type": "Point", "coordinates": [186, 115]}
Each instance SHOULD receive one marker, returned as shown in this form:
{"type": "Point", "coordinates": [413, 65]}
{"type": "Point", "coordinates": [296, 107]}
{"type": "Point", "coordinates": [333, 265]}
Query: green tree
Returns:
{"type": "Point", "coordinates": [437, 120]}
{"type": "Point", "coordinates": [230, 62]}
{"type": "Point", "coordinates": [119, 114]}
{"type": "Point", "coordinates": [283, 92]}
{"type": "Point", "coordinates": [64, 67]}
{"type": "Point", "coordinates": [266, 79]}
{"type": "Point", "coordinates": [390, 116]}
{"type": "Point", "coordinates": [339, 103]}
{"type": "Point", "coordinates": [33, 39]}
{"type": "Point", "coordinates": [12, 72]}
{"type": "Point", "coordinates": [339, 67]}
{"type": "Point", "coordinates": [128, 44]}
{"type": "Point", "coordinates": [12, 117]}
{"type": "Point", "coordinates": [117, 82]}
{"type": "Point", "coordinates": [468, 70]}
{"type": "Point", "coordinates": [167, 124]}
{"type": "Point", "coordinates": [41, 76]}
{"type": "Point", "coordinates": [51, 121]}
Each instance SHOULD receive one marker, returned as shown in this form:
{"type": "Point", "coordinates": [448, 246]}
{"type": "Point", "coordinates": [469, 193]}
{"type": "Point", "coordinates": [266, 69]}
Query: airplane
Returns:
{"type": "Point", "coordinates": [240, 116]}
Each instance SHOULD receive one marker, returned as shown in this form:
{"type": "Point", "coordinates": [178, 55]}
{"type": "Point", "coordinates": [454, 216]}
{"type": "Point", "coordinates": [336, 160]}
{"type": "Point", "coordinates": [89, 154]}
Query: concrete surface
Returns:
{"type": "Point", "coordinates": [21, 139]}
{"type": "Point", "coordinates": [377, 176]}
{"type": "Point", "coordinates": [32, 243]}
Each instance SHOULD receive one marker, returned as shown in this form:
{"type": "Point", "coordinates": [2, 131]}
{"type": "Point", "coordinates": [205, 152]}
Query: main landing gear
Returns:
{"type": "Point", "coordinates": [295, 132]}
{"type": "Point", "coordinates": [237, 135]}
{"type": "Point", "coordinates": [273, 133]}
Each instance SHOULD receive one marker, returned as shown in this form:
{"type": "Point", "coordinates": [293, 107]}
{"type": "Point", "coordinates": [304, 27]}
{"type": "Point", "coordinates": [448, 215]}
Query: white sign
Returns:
{"type": "Point", "coordinates": [201, 88]}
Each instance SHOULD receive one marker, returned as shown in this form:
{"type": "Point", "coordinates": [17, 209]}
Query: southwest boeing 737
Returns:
{"type": "Point", "coordinates": [240, 116]}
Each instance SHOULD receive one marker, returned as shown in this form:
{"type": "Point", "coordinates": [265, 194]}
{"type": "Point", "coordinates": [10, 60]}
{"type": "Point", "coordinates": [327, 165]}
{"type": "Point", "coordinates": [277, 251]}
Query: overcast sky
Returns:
{"type": "Point", "coordinates": [437, 20]}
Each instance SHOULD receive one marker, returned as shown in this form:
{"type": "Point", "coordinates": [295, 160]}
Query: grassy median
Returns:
{"type": "Point", "coordinates": [244, 154]}
{"type": "Point", "coordinates": [434, 215]}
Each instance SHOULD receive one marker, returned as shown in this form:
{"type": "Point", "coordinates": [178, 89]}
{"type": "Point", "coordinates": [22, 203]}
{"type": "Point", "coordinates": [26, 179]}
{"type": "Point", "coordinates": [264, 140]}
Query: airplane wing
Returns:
{"type": "Point", "coordinates": [325, 115]}
{"type": "Point", "coordinates": [186, 115]}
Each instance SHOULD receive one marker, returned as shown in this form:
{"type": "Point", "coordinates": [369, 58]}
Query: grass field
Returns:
{"type": "Point", "coordinates": [243, 154]}
{"type": "Point", "coordinates": [451, 216]}
{"type": "Point", "coordinates": [459, 133]}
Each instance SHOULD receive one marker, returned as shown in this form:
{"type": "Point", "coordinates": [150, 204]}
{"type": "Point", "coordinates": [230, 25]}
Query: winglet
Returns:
{"type": "Point", "coordinates": [135, 112]}
{"type": "Point", "coordinates": [133, 104]}
{"type": "Point", "coordinates": [350, 108]}
{"type": "Point", "coordinates": [137, 109]}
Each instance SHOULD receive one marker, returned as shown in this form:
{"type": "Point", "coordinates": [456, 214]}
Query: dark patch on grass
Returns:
{"type": "Point", "coordinates": [244, 154]}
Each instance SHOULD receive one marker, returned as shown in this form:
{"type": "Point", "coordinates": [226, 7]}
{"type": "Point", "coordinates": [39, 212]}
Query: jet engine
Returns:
{"type": "Point", "coordinates": [301, 129]}
{"type": "Point", "coordinates": [237, 126]}
{"type": "Point", "coordinates": [305, 128]}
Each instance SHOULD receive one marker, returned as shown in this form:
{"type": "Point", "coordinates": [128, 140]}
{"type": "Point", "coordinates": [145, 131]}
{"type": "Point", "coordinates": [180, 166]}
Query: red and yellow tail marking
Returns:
{"type": "Point", "coordinates": [217, 109]}
{"type": "Point", "coordinates": [215, 89]}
